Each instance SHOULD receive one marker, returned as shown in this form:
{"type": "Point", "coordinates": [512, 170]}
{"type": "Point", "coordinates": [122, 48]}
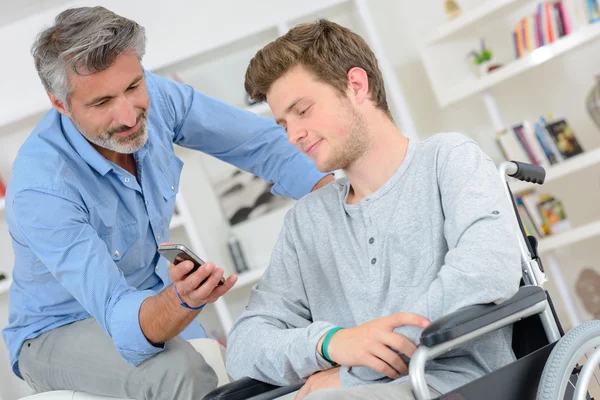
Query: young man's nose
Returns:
{"type": "Point", "coordinates": [296, 134]}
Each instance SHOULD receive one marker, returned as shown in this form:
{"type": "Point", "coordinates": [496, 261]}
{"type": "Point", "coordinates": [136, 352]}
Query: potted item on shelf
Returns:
{"type": "Point", "coordinates": [482, 59]}
{"type": "Point", "coordinates": [2, 277]}
{"type": "Point", "coordinates": [452, 9]}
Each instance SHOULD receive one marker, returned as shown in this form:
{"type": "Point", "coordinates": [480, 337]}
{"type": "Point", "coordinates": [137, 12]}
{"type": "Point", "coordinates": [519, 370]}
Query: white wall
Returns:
{"type": "Point", "coordinates": [178, 29]}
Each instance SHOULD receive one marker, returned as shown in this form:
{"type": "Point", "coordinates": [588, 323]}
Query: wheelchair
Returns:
{"type": "Point", "coordinates": [549, 364]}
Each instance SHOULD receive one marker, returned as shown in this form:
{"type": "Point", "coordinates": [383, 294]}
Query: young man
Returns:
{"type": "Point", "coordinates": [91, 197]}
{"type": "Point", "coordinates": [413, 232]}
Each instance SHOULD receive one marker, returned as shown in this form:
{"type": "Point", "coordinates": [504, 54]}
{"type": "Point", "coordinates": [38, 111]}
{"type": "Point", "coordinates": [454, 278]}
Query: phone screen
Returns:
{"type": "Point", "coordinates": [183, 256]}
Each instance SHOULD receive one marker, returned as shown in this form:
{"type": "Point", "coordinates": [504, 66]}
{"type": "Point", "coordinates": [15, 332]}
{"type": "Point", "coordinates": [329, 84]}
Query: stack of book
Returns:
{"type": "Point", "coordinates": [549, 23]}
{"type": "Point", "coordinates": [543, 143]}
{"type": "Point", "coordinates": [542, 215]}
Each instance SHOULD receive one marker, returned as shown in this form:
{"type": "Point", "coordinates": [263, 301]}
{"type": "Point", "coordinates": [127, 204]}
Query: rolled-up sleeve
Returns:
{"type": "Point", "coordinates": [250, 142]}
{"type": "Point", "coordinates": [70, 248]}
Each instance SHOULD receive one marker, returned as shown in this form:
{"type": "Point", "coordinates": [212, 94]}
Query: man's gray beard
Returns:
{"type": "Point", "coordinates": [125, 145]}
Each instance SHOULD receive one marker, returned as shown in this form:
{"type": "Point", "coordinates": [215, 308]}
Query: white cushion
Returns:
{"type": "Point", "coordinates": [56, 395]}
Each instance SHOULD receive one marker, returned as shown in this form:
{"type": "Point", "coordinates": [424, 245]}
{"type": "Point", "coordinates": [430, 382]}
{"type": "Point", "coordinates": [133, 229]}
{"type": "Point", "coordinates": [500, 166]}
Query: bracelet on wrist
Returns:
{"type": "Point", "coordinates": [325, 344]}
{"type": "Point", "coordinates": [184, 304]}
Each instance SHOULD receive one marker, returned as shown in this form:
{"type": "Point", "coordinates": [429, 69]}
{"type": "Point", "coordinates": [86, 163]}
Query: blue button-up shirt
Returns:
{"type": "Point", "coordinates": [85, 231]}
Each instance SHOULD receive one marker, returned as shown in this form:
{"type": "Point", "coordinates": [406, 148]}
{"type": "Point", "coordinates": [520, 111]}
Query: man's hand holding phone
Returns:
{"type": "Point", "coordinates": [374, 344]}
{"type": "Point", "coordinates": [202, 285]}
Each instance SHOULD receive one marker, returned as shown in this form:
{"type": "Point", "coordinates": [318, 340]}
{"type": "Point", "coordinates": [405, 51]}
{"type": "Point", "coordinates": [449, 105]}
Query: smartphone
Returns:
{"type": "Point", "coordinates": [177, 253]}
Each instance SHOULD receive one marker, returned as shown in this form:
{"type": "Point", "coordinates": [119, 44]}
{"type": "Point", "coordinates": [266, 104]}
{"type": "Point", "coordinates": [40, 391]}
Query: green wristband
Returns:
{"type": "Point", "coordinates": [326, 341]}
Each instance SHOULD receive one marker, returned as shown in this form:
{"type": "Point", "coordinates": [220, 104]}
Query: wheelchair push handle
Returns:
{"type": "Point", "coordinates": [526, 172]}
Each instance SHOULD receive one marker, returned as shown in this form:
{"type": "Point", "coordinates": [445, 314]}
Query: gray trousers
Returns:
{"type": "Point", "coordinates": [385, 391]}
{"type": "Point", "coordinates": [81, 357]}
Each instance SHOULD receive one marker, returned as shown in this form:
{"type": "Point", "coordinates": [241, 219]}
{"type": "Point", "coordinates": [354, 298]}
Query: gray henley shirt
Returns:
{"type": "Point", "coordinates": [439, 235]}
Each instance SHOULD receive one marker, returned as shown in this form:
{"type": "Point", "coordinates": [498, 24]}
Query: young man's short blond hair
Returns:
{"type": "Point", "coordinates": [327, 50]}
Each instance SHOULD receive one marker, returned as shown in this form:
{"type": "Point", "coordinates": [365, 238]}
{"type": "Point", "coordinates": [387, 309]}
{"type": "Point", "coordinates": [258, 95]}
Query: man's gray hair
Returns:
{"type": "Point", "coordinates": [83, 41]}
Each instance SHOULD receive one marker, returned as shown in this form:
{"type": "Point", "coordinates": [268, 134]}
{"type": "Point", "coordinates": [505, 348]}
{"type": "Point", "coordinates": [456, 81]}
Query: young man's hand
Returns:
{"type": "Point", "coordinates": [374, 344]}
{"type": "Point", "coordinates": [329, 378]}
{"type": "Point", "coordinates": [189, 287]}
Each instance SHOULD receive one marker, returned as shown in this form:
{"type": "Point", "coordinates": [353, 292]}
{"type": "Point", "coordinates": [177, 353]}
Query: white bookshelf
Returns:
{"type": "Point", "coordinates": [569, 237]}
{"type": "Point", "coordinates": [484, 12]}
{"type": "Point", "coordinates": [455, 92]}
{"type": "Point", "coordinates": [562, 169]}
{"type": "Point", "coordinates": [444, 52]}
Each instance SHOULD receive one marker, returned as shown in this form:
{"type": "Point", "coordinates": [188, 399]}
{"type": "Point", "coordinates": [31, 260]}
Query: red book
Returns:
{"type": "Point", "coordinates": [548, 15]}
{"type": "Point", "coordinates": [2, 188]}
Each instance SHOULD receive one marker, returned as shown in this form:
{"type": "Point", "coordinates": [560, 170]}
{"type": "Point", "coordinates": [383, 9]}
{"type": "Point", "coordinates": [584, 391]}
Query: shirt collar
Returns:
{"type": "Point", "coordinates": [84, 148]}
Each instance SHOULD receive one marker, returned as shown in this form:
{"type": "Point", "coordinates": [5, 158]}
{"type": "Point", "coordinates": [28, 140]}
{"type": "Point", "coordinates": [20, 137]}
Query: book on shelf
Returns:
{"type": "Point", "coordinates": [553, 214]}
{"type": "Point", "coordinates": [548, 23]}
{"type": "Point", "coordinates": [564, 137]}
{"type": "Point", "coordinates": [544, 143]}
{"type": "Point", "coordinates": [528, 224]}
{"type": "Point", "coordinates": [593, 10]}
{"type": "Point", "coordinates": [542, 214]}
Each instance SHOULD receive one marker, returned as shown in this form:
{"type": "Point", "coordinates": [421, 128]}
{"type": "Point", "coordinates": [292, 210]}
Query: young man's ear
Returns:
{"type": "Point", "coordinates": [358, 83]}
{"type": "Point", "coordinates": [59, 105]}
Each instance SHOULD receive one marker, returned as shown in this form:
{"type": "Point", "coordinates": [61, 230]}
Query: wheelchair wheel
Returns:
{"type": "Point", "coordinates": [563, 367]}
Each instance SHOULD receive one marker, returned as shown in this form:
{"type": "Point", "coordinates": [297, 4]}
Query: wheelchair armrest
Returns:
{"type": "Point", "coordinates": [246, 388]}
{"type": "Point", "coordinates": [469, 319]}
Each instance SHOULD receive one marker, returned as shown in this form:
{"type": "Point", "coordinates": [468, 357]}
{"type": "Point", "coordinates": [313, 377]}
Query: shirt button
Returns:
{"type": "Point", "coordinates": [127, 180]}
{"type": "Point", "coordinates": [116, 253]}
{"type": "Point", "coordinates": [158, 237]}
{"type": "Point", "coordinates": [146, 202]}
{"type": "Point", "coordinates": [373, 261]}
{"type": "Point", "coordinates": [156, 268]}
{"type": "Point", "coordinates": [371, 241]}
{"type": "Point", "coordinates": [172, 187]}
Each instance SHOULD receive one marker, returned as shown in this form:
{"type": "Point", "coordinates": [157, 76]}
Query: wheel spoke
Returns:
{"type": "Point", "coordinates": [595, 376]}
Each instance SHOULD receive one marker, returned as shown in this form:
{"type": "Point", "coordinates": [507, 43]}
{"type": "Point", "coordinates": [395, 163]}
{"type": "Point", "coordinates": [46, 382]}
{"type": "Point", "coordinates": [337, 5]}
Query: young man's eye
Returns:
{"type": "Point", "coordinates": [133, 87]}
{"type": "Point", "coordinates": [302, 112]}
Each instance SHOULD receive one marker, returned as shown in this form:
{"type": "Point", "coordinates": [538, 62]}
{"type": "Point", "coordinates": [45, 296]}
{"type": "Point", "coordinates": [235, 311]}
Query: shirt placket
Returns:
{"type": "Point", "coordinates": [371, 237]}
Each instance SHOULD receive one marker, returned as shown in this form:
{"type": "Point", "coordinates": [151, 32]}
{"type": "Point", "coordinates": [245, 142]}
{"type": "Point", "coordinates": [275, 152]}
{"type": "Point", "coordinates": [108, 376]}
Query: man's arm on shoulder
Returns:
{"type": "Point", "coordinates": [275, 339]}
{"type": "Point", "coordinates": [250, 142]}
{"type": "Point", "coordinates": [56, 229]}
